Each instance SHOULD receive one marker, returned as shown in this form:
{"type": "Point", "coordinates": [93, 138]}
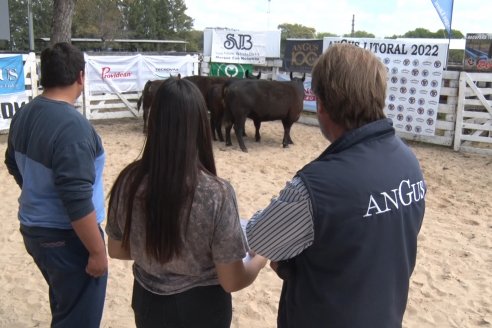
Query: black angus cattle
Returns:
{"type": "Point", "coordinates": [207, 86]}
{"type": "Point", "coordinates": [211, 89]}
{"type": "Point", "coordinates": [204, 83]}
{"type": "Point", "coordinates": [215, 103]}
{"type": "Point", "coordinates": [262, 100]}
{"type": "Point", "coordinates": [146, 99]}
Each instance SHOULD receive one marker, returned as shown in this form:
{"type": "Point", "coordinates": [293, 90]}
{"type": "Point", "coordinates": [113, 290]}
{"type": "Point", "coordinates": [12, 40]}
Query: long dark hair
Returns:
{"type": "Point", "coordinates": [177, 148]}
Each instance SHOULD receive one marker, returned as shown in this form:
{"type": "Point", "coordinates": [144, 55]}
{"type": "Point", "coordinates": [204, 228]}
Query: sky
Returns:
{"type": "Point", "coordinates": [379, 17]}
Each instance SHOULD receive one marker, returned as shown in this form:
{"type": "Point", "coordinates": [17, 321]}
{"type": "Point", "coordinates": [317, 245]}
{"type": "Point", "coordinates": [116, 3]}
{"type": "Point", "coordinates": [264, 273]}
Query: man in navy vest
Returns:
{"type": "Point", "coordinates": [343, 232]}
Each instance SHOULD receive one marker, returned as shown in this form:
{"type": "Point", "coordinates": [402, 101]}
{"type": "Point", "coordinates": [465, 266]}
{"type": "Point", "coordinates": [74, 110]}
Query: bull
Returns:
{"type": "Point", "coordinates": [211, 89]}
{"type": "Point", "coordinates": [262, 101]}
{"type": "Point", "coordinates": [146, 98]}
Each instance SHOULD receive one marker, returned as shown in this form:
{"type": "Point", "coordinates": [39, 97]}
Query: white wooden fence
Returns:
{"type": "Point", "coordinates": [474, 114]}
{"type": "Point", "coordinates": [464, 117]}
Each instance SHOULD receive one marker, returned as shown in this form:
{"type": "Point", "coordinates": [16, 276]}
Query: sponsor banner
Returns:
{"type": "Point", "coordinates": [414, 80]}
{"type": "Point", "coordinates": [300, 55]}
{"type": "Point", "coordinates": [478, 52]}
{"type": "Point", "coordinates": [444, 9]}
{"type": "Point", "coordinates": [309, 98]}
{"type": "Point", "coordinates": [9, 105]}
{"type": "Point", "coordinates": [230, 70]}
{"type": "Point", "coordinates": [11, 74]}
{"type": "Point", "coordinates": [238, 47]}
{"type": "Point", "coordinates": [111, 74]}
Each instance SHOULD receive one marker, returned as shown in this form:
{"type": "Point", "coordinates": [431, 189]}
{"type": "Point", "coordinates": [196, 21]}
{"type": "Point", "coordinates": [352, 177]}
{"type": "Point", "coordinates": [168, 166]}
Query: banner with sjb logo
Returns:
{"type": "Point", "coordinates": [230, 46]}
{"type": "Point", "coordinates": [230, 70]}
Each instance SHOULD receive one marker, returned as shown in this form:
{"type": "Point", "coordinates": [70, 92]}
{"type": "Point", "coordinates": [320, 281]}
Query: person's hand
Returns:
{"type": "Point", "coordinates": [97, 265]}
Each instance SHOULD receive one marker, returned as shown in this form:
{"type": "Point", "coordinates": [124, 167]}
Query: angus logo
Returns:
{"type": "Point", "coordinates": [240, 42]}
{"type": "Point", "coordinates": [9, 74]}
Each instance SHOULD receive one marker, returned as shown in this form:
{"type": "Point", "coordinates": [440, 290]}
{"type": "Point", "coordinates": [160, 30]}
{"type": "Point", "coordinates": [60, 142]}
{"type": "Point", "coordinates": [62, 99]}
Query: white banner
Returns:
{"type": "Point", "coordinates": [238, 47]}
{"type": "Point", "coordinates": [111, 74]}
{"type": "Point", "coordinates": [414, 80]}
{"type": "Point", "coordinates": [9, 104]}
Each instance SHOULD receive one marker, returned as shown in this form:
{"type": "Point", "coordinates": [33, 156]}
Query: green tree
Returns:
{"type": "Point", "coordinates": [322, 35]}
{"type": "Point", "coordinates": [156, 19]}
{"type": "Point", "coordinates": [195, 40]}
{"type": "Point", "coordinates": [420, 32]}
{"type": "Point", "coordinates": [179, 21]}
{"type": "Point", "coordinates": [42, 18]}
{"type": "Point", "coordinates": [61, 28]}
{"type": "Point", "coordinates": [360, 34]}
{"type": "Point", "coordinates": [455, 34]}
{"type": "Point", "coordinates": [297, 31]}
{"type": "Point", "coordinates": [101, 19]}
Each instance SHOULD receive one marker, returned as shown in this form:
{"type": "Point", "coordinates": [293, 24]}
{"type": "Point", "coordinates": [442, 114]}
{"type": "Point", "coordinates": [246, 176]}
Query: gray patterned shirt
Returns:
{"type": "Point", "coordinates": [214, 236]}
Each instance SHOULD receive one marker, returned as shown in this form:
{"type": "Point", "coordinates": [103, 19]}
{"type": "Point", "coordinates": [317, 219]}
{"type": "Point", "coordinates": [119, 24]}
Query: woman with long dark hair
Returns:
{"type": "Point", "coordinates": [178, 221]}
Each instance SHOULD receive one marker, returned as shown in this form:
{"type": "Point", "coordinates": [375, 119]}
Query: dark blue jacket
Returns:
{"type": "Point", "coordinates": [367, 192]}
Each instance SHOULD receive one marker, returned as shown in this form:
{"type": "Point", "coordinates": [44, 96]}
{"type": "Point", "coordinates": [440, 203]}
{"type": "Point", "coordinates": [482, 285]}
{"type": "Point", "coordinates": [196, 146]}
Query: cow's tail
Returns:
{"type": "Point", "coordinates": [144, 92]}
{"type": "Point", "coordinates": [139, 103]}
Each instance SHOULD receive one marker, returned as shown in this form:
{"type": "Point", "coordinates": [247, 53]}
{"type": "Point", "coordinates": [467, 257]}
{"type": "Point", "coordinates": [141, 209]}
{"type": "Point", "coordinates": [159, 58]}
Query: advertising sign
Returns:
{"type": "Point", "coordinates": [478, 52]}
{"type": "Point", "coordinates": [12, 88]}
{"type": "Point", "coordinates": [110, 74]}
{"type": "Point", "coordinates": [230, 70]}
{"type": "Point", "coordinates": [238, 47]}
{"type": "Point", "coordinates": [414, 80]}
{"type": "Point", "coordinates": [300, 55]}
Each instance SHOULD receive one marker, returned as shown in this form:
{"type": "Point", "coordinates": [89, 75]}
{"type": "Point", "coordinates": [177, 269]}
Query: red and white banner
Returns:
{"type": "Point", "coordinates": [117, 74]}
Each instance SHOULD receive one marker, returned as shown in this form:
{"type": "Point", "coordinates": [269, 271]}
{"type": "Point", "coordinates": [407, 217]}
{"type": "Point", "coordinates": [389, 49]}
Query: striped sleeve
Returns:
{"type": "Point", "coordinates": [285, 228]}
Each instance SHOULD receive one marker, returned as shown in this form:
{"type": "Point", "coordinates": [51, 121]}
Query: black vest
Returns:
{"type": "Point", "coordinates": [367, 192]}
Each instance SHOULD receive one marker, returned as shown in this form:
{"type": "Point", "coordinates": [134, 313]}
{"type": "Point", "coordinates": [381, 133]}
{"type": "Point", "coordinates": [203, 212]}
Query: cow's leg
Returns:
{"type": "Point", "coordinates": [239, 129]}
{"type": "Point", "coordinates": [287, 140]}
{"type": "Point", "coordinates": [218, 127]}
{"type": "Point", "coordinates": [257, 130]}
{"type": "Point", "coordinates": [228, 121]}
{"type": "Point", "coordinates": [213, 124]}
{"type": "Point", "coordinates": [228, 127]}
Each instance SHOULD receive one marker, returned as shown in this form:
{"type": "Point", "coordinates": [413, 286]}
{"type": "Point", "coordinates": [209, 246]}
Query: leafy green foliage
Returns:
{"type": "Point", "coordinates": [360, 34]}
{"type": "Point", "coordinates": [297, 31]}
{"type": "Point", "coordinates": [146, 19]}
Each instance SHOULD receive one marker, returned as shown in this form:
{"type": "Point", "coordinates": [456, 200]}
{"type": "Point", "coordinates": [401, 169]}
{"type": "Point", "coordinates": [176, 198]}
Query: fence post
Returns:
{"type": "Point", "coordinates": [459, 112]}
{"type": "Point", "coordinates": [34, 74]}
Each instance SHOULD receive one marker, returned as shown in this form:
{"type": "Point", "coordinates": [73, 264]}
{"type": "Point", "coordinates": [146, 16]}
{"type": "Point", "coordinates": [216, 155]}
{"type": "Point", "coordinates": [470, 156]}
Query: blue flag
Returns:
{"type": "Point", "coordinates": [445, 10]}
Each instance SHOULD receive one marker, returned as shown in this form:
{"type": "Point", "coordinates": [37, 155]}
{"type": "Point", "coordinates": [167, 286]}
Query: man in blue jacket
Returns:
{"type": "Point", "coordinates": [343, 232]}
{"type": "Point", "coordinates": [57, 159]}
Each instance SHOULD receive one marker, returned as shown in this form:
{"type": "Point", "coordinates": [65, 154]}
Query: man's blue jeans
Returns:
{"type": "Point", "coordinates": [76, 299]}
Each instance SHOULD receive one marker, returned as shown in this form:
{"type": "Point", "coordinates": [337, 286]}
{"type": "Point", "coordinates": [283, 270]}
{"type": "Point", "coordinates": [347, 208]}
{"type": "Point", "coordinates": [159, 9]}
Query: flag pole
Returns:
{"type": "Point", "coordinates": [450, 32]}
